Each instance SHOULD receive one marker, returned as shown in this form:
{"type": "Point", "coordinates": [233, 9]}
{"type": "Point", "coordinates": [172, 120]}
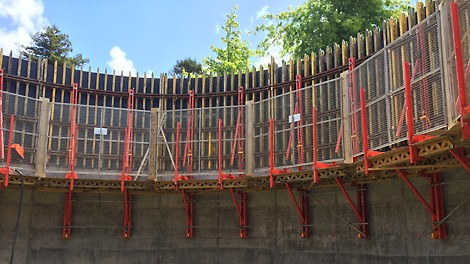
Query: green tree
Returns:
{"type": "Point", "coordinates": [319, 23]}
{"type": "Point", "coordinates": [236, 53]}
{"type": "Point", "coordinates": [185, 67]}
{"type": "Point", "coordinates": [53, 45]}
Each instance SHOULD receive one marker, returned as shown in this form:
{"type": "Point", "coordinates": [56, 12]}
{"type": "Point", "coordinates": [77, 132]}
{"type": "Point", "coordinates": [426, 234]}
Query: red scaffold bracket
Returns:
{"type": "Point", "coordinates": [188, 146]}
{"type": "Point", "coordinates": [302, 210]}
{"type": "Point", "coordinates": [464, 108]}
{"type": "Point", "coordinates": [412, 138]}
{"type": "Point", "coordinates": [6, 171]}
{"type": "Point", "coordinates": [67, 215]}
{"type": "Point", "coordinates": [436, 208]}
{"type": "Point", "coordinates": [189, 210]}
{"type": "Point", "coordinates": [296, 124]}
{"type": "Point", "coordinates": [222, 176]}
{"type": "Point", "coordinates": [360, 209]}
{"type": "Point", "coordinates": [241, 206]}
{"type": "Point", "coordinates": [272, 170]}
{"type": "Point", "coordinates": [127, 214]}
{"type": "Point", "coordinates": [459, 155]}
{"type": "Point", "coordinates": [239, 132]}
{"type": "Point", "coordinates": [127, 155]}
{"type": "Point", "coordinates": [73, 135]}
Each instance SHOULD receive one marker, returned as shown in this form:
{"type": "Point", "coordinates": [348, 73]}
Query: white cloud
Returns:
{"type": "Point", "coordinates": [23, 18]}
{"type": "Point", "coordinates": [217, 28]}
{"type": "Point", "coordinates": [263, 11]}
{"type": "Point", "coordinates": [273, 51]}
{"type": "Point", "coordinates": [119, 62]}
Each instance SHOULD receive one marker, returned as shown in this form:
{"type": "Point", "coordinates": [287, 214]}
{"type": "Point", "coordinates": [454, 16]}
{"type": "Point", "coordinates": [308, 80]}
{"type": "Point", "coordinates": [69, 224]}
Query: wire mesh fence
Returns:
{"type": "Point", "coordinates": [25, 131]}
{"type": "Point", "coordinates": [100, 142]}
{"type": "Point", "coordinates": [194, 149]}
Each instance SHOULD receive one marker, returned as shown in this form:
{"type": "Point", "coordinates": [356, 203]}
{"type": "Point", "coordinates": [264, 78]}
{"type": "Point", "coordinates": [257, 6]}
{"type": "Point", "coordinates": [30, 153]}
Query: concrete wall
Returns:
{"type": "Point", "coordinates": [399, 228]}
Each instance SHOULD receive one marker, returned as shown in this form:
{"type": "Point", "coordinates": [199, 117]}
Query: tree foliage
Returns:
{"type": "Point", "coordinates": [236, 53]}
{"type": "Point", "coordinates": [53, 45]}
{"type": "Point", "coordinates": [319, 23]}
{"type": "Point", "coordinates": [185, 67]}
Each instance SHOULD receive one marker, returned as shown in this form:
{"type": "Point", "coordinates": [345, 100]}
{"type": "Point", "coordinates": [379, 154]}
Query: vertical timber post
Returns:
{"type": "Point", "coordinates": [249, 141]}
{"type": "Point", "coordinates": [41, 151]}
{"type": "Point", "coordinates": [348, 157]}
{"type": "Point", "coordinates": [153, 162]}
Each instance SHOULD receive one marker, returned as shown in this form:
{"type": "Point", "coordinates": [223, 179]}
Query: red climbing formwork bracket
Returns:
{"type": "Point", "coordinates": [302, 210]}
{"type": "Point", "coordinates": [272, 170]}
{"type": "Point", "coordinates": [241, 206]}
{"type": "Point", "coordinates": [127, 214]}
{"type": "Point", "coordinates": [189, 210]}
{"type": "Point", "coordinates": [127, 155]}
{"type": "Point", "coordinates": [412, 138]}
{"type": "Point", "coordinates": [459, 155]}
{"type": "Point", "coordinates": [436, 207]}
{"type": "Point", "coordinates": [360, 209]}
{"type": "Point", "coordinates": [463, 106]}
{"type": "Point", "coordinates": [73, 134]}
{"type": "Point", "coordinates": [67, 215]}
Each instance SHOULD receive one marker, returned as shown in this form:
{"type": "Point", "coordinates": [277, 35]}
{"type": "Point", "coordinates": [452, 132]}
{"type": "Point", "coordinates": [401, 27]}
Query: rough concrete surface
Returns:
{"type": "Point", "coordinates": [399, 228]}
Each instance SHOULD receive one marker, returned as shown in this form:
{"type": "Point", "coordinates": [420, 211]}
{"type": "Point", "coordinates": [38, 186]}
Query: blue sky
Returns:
{"type": "Point", "coordinates": [142, 35]}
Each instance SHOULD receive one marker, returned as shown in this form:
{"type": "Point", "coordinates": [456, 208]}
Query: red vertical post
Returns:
{"type": "Point", "coordinates": [302, 209]}
{"type": "Point", "coordinates": [464, 108]}
{"type": "Point", "coordinates": [127, 155]}
{"type": "Point", "coordinates": [271, 153]}
{"type": "Point", "coordinates": [409, 112]}
{"type": "Point", "coordinates": [300, 134]}
{"type": "Point", "coordinates": [365, 139]}
{"type": "Point", "coordinates": [437, 203]}
{"type": "Point", "coordinates": [314, 144]}
{"type": "Point", "coordinates": [188, 207]}
{"type": "Point", "coordinates": [177, 154]}
{"type": "Point", "coordinates": [67, 215]}
{"type": "Point", "coordinates": [73, 134]}
{"type": "Point", "coordinates": [241, 208]}
{"type": "Point", "coordinates": [2, 147]}
{"type": "Point", "coordinates": [127, 214]}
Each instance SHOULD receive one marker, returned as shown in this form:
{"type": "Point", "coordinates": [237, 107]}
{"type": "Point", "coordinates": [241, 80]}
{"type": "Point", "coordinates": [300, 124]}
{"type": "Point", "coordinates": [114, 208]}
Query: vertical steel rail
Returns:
{"type": "Point", "coordinates": [241, 208]}
{"type": "Point", "coordinates": [464, 108]}
{"type": "Point", "coordinates": [188, 207]}
{"type": "Point", "coordinates": [73, 134]}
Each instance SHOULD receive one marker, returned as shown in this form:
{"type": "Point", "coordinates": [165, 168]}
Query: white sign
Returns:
{"type": "Point", "coordinates": [294, 118]}
{"type": "Point", "coordinates": [101, 131]}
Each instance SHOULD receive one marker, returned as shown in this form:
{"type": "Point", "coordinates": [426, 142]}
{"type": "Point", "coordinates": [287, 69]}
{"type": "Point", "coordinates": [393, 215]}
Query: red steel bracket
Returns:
{"type": "Point", "coordinates": [412, 138]}
{"type": "Point", "coordinates": [177, 177]}
{"type": "Point", "coordinates": [272, 170]}
{"type": "Point", "coordinates": [127, 155]}
{"type": "Point", "coordinates": [459, 155]}
{"type": "Point", "coordinates": [360, 209]}
{"type": "Point", "coordinates": [6, 170]}
{"type": "Point", "coordinates": [73, 134]}
{"type": "Point", "coordinates": [241, 206]}
{"type": "Point", "coordinates": [436, 208]}
{"type": "Point", "coordinates": [302, 210]}
{"type": "Point", "coordinates": [67, 215]}
{"type": "Point", "coordinates": [127, 214]}
{"type": "Point", "coordinates": [464, 108]}
{"type": "Point", "coordinates": [188, 207]}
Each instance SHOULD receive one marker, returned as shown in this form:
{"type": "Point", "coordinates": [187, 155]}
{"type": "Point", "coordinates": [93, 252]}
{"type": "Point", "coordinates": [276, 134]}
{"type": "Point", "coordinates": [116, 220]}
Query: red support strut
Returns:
{"type": "Point", "coordinates": [188, 207]}
{"type": "Point", "coordinates": [6, 171]}
{"type": "Point", "coordinates": [302, 210]}
{"type": "Point", "coordinates": [241, 206]}
{"type": "Point", "coordinates": [436, 208]}
{"type": "Point", "coordinates": [464, 108]}
{"type": "Point", "coordinates": [73, 134]}
{"type": "Point", "coordinates": [412, 138]}
{"type": "Point", "coordinates": [127, 214]}
{"type": "Point", "coordinates": [360, 209]}
{"type": "Point", "coordinates": [127, 155]}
